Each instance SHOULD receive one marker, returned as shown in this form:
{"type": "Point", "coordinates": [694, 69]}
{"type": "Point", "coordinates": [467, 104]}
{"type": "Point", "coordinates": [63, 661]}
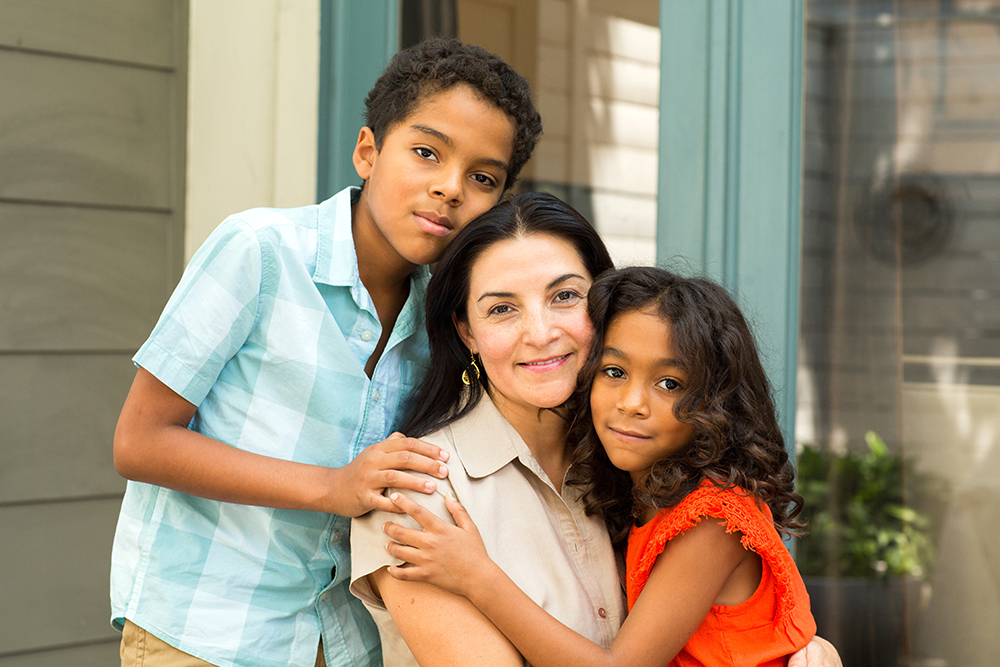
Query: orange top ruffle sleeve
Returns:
{"type": "Point", "coordinates": [763, 630]}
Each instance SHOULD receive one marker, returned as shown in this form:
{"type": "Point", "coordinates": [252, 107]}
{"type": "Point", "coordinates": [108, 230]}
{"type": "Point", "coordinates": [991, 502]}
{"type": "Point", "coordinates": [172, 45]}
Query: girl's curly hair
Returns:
{"type": "Point", "coordinates": [736, 443]}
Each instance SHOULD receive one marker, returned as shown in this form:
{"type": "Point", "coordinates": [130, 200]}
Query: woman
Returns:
{"type": "Point", "coordinates": [508, 329]}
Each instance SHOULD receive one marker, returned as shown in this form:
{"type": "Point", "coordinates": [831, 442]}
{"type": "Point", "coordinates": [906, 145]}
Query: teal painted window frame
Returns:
{"type": "Point", "coordinates": [730, 163]}
{"type": "Point", "coordinates": [357, 40]}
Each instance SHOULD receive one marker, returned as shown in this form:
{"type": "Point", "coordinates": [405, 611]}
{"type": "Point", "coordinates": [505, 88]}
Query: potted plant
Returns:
{"type": "Point", "coordinates": [869, 548]}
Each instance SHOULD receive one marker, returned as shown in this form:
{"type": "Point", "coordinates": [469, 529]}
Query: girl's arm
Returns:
{"type": "Point", "coordinates": [684, 583]}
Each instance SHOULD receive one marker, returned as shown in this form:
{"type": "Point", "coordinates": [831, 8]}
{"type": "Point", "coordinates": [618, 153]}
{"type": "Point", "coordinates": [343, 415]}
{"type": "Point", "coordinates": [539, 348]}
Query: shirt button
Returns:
{"type": "Point", "coordinates": [378, 395]}
{"type": "Point", "coordinates": [336, 536]}
{"type": "Point", "coordinates": [602, 613]}
{"type": "Point", "coordinates": [366, 335]}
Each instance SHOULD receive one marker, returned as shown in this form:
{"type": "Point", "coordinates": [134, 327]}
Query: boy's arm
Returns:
{"type": "Point", "coordinates": [153, 444]}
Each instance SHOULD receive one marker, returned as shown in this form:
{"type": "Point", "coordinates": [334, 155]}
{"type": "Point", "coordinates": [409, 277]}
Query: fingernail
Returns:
{"type": "Point", "coordinates": [451, 494]}
{"type": "Point", "coordinates": [430, 486]}
{"type": "Point", "coordinates": [393, 496]}
{"type": "Point", "coordinates": [443, 471]}
{"type": "Point", "coordinates": [444, 455]}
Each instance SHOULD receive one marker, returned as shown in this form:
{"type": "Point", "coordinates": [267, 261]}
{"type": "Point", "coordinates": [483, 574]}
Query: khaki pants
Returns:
{"type": "Point", "coordinates": [141, 649]}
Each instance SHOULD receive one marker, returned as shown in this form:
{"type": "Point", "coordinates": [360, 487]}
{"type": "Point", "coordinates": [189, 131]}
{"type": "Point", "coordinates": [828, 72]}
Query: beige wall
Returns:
{"type": "Point", "coordinates": [594, 68]}
{"type": "Point", "coordinates": [252, 109]}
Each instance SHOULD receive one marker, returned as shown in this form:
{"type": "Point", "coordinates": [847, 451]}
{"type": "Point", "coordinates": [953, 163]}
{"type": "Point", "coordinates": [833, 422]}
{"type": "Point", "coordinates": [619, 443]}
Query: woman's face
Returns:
{"type": "Point", "coordinates": [527, 321]}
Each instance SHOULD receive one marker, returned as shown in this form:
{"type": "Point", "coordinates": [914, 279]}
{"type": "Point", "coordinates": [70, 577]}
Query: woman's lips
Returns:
{"type": "Point", "coordinates": [543, 365]}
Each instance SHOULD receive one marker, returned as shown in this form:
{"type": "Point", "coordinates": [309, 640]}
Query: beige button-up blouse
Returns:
{"type": "Point", "coordinates": [542, 539]}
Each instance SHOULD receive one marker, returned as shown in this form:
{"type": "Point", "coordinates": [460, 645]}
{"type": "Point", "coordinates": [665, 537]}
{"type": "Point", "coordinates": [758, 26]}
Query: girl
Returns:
{"type": "Point", "coordinates": [681, 454]}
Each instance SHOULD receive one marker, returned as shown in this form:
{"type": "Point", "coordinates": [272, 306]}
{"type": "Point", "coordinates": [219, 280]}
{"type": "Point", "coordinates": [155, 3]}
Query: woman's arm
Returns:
{"type": "Point", "coordinates": [440, 628]}
{"type": "Point", "coordinates": [684, 583]}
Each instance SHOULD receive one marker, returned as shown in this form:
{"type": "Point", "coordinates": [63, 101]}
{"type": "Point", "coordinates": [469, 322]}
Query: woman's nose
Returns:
{"type": "Point", "coordinates": [539, 329]}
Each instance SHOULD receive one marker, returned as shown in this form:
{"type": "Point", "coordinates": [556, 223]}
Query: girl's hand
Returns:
{"type": "Point", "coordinates": [450, 557]}
{"type": "Point", "coordinates": [817, 653]}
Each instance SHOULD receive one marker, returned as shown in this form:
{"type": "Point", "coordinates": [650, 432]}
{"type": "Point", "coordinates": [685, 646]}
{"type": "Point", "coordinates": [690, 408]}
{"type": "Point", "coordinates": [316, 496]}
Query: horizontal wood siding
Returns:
{"type": "Point", "coordinates": [92, 142]}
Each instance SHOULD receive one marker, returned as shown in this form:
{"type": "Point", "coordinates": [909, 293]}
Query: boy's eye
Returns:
{"type": "Point", "coordinates": [669, 384]}
{"type": "Point", "coordinates": [613, 372]}
{"type": "Point", "coordinates": [484, 180]}
{"type": "Point", "coordinates": [425, 153]}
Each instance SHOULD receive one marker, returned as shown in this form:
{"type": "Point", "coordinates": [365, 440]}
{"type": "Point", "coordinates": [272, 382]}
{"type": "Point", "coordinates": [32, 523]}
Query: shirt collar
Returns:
{"type": "Point", "coordinates": [336, 258]}
{"type": "Point", "coordinates": [486, 442]}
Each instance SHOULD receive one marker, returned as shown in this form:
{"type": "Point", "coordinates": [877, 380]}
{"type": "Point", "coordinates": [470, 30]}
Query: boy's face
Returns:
{"type": "Point", "coordinates": [438, 168]}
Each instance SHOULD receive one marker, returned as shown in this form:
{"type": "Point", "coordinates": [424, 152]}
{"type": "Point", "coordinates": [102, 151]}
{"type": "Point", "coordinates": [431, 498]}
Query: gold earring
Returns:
{"type": "Point", "coordinates": [475, 369]}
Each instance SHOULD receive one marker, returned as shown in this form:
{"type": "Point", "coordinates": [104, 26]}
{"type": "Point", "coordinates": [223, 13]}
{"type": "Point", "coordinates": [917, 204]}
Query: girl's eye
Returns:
{"type": "Point", "coordinates": [613, 372]}
{"type": "Point", "coordinates": [669, 384]}
{"type": "Point", "coordinates": [425, 153]}
{"type": "Point", "coordinates": [499, 309]}
{"type": "Point", "coordinates": [483, 179]}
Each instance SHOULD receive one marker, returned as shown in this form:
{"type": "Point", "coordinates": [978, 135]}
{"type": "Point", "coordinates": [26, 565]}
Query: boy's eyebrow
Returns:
{"type": "Point", "coordinates": [446, 140]}
{"type": "Point", "coordinates": [507, 295]}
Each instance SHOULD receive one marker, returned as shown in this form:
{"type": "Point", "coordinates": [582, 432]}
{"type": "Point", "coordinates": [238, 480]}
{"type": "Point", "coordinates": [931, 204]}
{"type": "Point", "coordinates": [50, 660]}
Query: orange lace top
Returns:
{"type": "Point", "coordinates": [764, 629]}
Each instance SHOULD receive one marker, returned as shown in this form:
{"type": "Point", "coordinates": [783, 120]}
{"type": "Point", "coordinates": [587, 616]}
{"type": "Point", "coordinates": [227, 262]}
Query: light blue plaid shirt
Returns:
{"type": "Point", "coordinates": [267, 333]}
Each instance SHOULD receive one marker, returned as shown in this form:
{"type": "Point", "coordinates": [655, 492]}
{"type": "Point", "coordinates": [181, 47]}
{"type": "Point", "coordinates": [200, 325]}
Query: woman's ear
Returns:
{"type": "Point", "coordinates": [365, 152]}
{"type": "Point", "coordinates": [465, 333]}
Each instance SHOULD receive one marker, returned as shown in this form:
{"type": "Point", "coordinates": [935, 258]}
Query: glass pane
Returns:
{"type": "Point", "coordinates": [594, 68]}
{"type": "Point", "coordinates": [899, 391]}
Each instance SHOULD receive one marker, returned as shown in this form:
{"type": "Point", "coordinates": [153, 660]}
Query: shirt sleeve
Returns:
{"type": "Point", "coordinates": [209, 315]}
{"type": "Point", "coordinates": [368, 552]}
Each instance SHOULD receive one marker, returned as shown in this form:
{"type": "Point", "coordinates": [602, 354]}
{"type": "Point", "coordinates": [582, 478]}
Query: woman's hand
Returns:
{"type": "Point", "coordinates": [451, 557]}
{"type": "Point", "coordinates": [817, 653]}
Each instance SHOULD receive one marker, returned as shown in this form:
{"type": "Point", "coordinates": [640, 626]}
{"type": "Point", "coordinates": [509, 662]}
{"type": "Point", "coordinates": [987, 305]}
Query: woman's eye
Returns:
{"type": "Point", "coordinates": [499, 309]}
{"type": "Point", "coordinates": [669, 384]}
{"type": "Point", "coordinates": [567, 295]}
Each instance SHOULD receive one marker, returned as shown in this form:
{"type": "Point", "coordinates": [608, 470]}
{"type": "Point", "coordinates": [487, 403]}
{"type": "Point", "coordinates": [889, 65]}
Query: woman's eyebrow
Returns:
{"type": "Point", "coordinates": [502, 295]}
{"type": "Point", "coordinates": [508, 295]}
{"type": "Point", "coordinates": [564, 278]}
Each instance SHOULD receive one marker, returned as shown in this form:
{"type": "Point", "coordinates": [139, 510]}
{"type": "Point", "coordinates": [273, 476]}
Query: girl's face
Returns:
{"type": "Point", "coordinates": [527, 320]}
{"type": "Point", "coordinates": [632, 399]}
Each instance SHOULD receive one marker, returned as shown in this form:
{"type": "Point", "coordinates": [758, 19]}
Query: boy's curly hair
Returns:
{"type": "Point", "coordinates": [435, 65]}
{"type": "Point", "coordinates": [736, 440]}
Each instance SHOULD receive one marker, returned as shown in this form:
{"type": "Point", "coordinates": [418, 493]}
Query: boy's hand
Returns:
{"type": "Point", "coordinates": [381, 466]}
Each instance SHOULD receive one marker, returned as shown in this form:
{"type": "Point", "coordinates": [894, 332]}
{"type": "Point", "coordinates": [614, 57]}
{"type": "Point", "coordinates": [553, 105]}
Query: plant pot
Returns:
{"type": "Point", "coordinates": [865, 618]}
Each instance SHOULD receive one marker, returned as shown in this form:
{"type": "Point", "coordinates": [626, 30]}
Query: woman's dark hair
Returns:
{"type": "Point", "coordinates": [436, 65]}
{"type": "Point", "coordinates": [443, 398]}
{"type": "Point", "coordinates": [736, 442]}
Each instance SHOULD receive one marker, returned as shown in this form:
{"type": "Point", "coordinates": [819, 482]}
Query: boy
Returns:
{"type": "Point", "coordinates": [290, 346]}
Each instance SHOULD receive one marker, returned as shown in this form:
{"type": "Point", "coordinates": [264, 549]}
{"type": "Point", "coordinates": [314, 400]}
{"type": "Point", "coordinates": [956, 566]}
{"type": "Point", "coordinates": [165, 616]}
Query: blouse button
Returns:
{"type": "Point", "coordinates": [602, 613]}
